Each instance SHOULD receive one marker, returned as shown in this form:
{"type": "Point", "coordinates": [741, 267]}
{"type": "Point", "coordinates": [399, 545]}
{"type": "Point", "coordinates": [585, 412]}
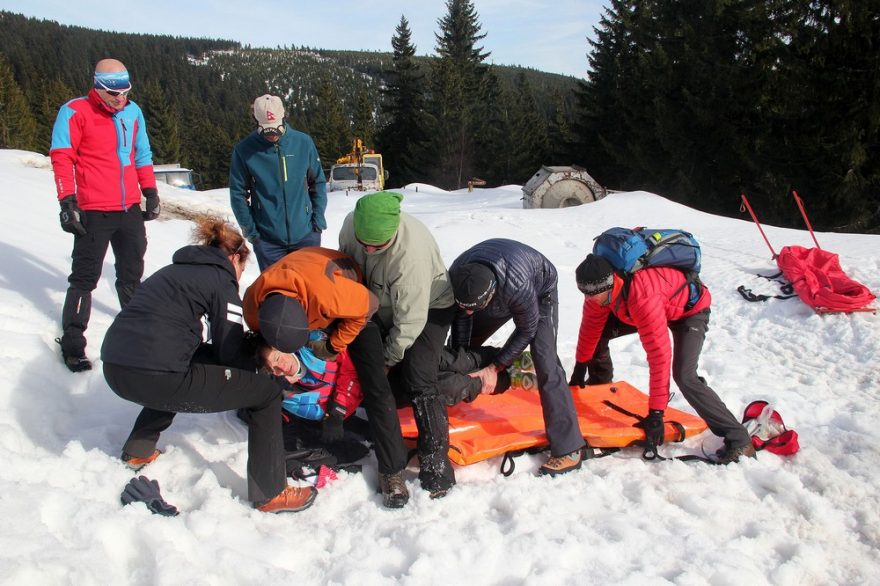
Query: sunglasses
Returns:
{"type": "Point", "coordinates": [111, 92]}
{"type": "Point", "coordinates": [375, 247]}
{"type": "Point", "coordinates": [272, 132]}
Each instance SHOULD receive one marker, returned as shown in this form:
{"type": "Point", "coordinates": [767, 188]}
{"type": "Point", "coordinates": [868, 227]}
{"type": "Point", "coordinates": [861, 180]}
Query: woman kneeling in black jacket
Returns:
{"type": "Point", "coordinates": [153, 355]}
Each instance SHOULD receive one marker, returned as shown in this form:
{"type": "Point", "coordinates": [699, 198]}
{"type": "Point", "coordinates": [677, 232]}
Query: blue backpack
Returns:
{"type": "Point", "coordinates": [630, 250]}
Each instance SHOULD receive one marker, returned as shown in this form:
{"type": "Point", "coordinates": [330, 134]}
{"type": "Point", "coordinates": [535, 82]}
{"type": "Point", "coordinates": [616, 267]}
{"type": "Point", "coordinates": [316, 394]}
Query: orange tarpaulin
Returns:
{"type": "Point", "coordinates": [494, 425]}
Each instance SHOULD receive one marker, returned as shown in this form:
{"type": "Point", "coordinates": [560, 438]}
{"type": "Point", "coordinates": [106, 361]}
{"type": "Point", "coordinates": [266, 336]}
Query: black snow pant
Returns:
{"type": "Point", "coordinates": [418, 376]}
{"type": "Point", "coordinates": [124, 232]}
{"type": "Point", "coordinates": [557, 404]}
{"type": "Point", "coordinates": [688, 335]}
{"type": "Point", "coordinates": [453, 381]}
{"type": "Point", "coordinates": [366, 354]}
{"type": "Point", "coordinates": [208, 388]}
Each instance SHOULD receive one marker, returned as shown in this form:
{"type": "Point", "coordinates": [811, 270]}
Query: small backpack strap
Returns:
{"type": "Point", "coordinates": [749, 296]}
{"type": "Point", "coordinates": [508, 464]}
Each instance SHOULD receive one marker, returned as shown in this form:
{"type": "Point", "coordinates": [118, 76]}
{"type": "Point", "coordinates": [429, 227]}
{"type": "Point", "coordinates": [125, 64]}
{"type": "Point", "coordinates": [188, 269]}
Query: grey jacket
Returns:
{"type": "Point", "coordinates": [409, 278]}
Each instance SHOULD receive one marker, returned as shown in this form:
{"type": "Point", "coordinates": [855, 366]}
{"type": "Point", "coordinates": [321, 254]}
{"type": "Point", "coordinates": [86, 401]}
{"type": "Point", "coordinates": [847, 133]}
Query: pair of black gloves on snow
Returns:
{"type": "Point", "coordinates": [652, 424]}
{"type": "Point", "coordinates": [71, 215]}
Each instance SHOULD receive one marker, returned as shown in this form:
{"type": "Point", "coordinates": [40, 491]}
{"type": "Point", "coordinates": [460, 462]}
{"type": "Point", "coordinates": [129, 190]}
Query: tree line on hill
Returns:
{"type": "Point", "coordinates": [698, 100]}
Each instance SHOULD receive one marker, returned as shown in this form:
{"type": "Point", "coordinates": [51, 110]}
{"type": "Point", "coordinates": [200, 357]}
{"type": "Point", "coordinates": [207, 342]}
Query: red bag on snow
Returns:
{"type": "Point", "coordinates": [768, 431]}
{"type": "Point", "coordinates": [819, 281]}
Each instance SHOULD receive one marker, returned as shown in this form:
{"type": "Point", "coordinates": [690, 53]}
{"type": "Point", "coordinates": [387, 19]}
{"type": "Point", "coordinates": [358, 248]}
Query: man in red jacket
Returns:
{"type": "Point", "coordinates": [654, 304]}
{"type": "Point", "coordinates": [102, 163]}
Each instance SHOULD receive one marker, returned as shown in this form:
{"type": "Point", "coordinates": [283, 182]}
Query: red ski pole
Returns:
{"type": "Point", "coordinates": [800, 204]}
{"type": "Point", "coordinates": [745, 207]}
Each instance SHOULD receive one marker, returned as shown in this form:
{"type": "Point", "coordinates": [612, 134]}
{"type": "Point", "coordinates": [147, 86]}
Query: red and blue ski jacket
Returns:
{"type": "Point", "coordinates": [100, 154]}
{"type": "Point", "coordinates": [656, 297]}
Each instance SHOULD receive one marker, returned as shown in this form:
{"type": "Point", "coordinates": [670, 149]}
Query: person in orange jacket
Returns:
{"type": "Point", "coordinates": [320, 289]}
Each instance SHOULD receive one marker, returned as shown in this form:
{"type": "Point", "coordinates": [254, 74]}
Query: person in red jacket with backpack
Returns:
{"type": "Point", "coordinates": [654, 303]}
{"type": "Point", "coordinates": [102, 163]}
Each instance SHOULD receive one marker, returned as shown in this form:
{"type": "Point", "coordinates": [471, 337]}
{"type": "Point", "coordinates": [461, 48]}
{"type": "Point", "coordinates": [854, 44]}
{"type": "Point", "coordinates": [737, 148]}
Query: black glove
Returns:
{"type": "Point", "coordinates": [653, 426]}
{"type": "Point", "coordinates": [578, 375]}
{"type": "Point", "coordinates": [322, 349]}
{"type": "Point", "coordinates": [331, 429]}
{"type": "Point", "coordinates": [142, 489]}
{"type": "Point", "coordinates": [503, 382]}
{"type": "Point", "coordinates": [471, 391]}
{"type": "Point", "coordinates": [71, 220]}
{"type": "Point", "coordinates": [151, 212]}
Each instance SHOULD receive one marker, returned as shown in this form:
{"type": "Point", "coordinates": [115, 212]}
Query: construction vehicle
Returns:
{"type": "Point", "coordinates": [359, 170]}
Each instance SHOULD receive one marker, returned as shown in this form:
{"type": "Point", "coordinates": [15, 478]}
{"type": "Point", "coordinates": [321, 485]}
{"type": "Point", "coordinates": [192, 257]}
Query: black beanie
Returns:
{"type": "Point", "coordinates": [283, 323]}
{"type": "Point", "coordinates": [595, 275]}
{"type": "Point", "coordinates": [472, 284]}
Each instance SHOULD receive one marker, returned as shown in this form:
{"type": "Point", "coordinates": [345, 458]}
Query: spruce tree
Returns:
{"type": "Point", "coordinates": [456, 77]}
{"type": "Point", "coordinates": [529, 131]}
{"type": "Point", "coordinates": [598, 126]}
{"type": "Point", "coordinates": [330, 129]}
{"type": "Point", "coordinates": [829, 88]}
{"type": "Point", "coordinates": [364, 125]}
{"type": "Point", "coordinates": [494, 149]}
{"type": "Point", "coordinates": [403, 137]}
{"type": "Point", "coordinates": [162, 124]}
{"type": "Point", "coordinates": [18, 127]}
{"type": "Point", "coordinates": [560, 135]}
{"type": "Point", "coordinates": [54, 95]}
{"type": "Point", "coordinates": [206, 148]}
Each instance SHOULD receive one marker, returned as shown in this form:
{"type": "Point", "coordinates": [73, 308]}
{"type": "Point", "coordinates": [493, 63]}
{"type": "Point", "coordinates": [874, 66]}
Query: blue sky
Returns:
{"type": "Point", "coordinates": [545, 35]}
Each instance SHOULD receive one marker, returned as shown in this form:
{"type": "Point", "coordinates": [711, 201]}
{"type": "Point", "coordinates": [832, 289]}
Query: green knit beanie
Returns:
{"type": "Point", "coordinates": [377, 216]}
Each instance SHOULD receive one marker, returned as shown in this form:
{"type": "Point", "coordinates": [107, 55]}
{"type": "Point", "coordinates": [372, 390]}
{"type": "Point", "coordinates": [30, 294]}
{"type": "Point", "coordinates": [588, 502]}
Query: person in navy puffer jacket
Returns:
{"type": "Point", "coordinates": [499, 280]}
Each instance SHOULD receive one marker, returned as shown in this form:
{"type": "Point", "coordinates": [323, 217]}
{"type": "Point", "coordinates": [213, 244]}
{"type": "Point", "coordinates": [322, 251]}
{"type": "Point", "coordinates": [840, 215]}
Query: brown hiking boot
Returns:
{"type": "Point", "coordinates": [394, 492]}
{"type": "Point", "coordinates": [727, 455]}
{"type": "Point", "coordinates": [290, 500]}
{"type": "Point", "coordinates": [135, 463]}
{"type": "Point", "coordinates": [561, 464]}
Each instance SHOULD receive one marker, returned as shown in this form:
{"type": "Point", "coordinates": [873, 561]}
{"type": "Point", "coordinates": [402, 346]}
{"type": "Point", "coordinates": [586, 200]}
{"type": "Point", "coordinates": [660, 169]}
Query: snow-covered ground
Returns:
{"type": "Point", "coordinates": [810, 519]}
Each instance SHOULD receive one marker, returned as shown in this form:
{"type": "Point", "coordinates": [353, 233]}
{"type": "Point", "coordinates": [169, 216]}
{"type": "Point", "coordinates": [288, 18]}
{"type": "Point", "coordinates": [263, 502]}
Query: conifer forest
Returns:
{"type": "Point", "coordinates": [696, 100]}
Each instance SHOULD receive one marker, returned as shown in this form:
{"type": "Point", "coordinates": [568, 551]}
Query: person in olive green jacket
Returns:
{"type": "Point", "coordinates": [402, 266]}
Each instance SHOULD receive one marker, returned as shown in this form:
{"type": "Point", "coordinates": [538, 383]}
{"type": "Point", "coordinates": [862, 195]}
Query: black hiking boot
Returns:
{"type": "Point", "coordinates": [728, 455]}
{"type": "Point", "coordinates": [438, 486]}
{"type": "Point", "coordinates": [394, 492]}
{"type": "Point", "coordinates": [74, 363]}
{"type": "Point", "coordinates": [77, 363]}
{"type": "Point", "coordinates": [436, 474]}
{"type": "Point", "coordinates": [435, 470]}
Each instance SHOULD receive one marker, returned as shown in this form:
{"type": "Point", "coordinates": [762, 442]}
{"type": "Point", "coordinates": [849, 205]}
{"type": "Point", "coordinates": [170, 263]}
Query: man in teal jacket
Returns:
{"type": "Point", "coordinates": [276, 186]}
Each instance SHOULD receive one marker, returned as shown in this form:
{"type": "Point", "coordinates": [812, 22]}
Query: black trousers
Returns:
{"type": "Point", "coordinates": [124, 232]}
{"type": "Point", "coordinates": [688, 335]}
{"type": "Point", "coordinates": [557, 404]}
{"type": "Point", "coordinates": [208, 388]}
{"type": "Point", "coordinates": [418, 377]}
{"type": "Point", "coordinates": [366, 354]}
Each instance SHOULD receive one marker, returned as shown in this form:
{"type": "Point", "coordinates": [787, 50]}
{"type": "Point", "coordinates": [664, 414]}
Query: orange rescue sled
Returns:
{"type": "Point", "coordinates": [495, 425]}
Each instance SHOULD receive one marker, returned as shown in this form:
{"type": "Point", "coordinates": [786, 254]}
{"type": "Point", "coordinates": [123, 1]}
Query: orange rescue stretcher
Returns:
{"type": "Point", "coordinates": [513, 422]}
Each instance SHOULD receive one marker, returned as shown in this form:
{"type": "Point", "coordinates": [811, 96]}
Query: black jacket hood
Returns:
{"type": "Point", "coordinates": [203, 255]}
